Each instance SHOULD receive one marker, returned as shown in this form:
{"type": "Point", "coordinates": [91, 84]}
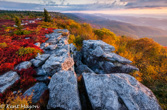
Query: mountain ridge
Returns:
{"type": "Point", "coordinates": [119, 28]}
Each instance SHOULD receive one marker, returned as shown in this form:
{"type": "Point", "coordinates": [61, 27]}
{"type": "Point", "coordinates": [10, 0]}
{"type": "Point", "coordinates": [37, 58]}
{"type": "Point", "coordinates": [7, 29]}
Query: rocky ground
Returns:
{"type": "Point", "coordinates": [104, 80]}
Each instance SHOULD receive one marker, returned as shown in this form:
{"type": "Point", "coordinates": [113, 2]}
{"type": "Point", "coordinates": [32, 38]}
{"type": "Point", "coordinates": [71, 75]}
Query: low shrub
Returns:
{"type": "Point", "coordinates": [3, 45]}
{"type": "Point", "coordinates": [27, 50]}
{"type": "Point", "coordinates": [26, 79]}
{"type": "Point", "coordinates": [16, 100]}
{"type": "Point", "coordinates": [21, 32]}
{"type": "Point", "coordinates": [16, 52]}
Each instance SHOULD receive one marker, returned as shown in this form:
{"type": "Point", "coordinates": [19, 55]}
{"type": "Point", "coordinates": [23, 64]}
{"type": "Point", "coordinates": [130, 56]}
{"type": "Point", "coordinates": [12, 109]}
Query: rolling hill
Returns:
{"type": "Point", "coordinates": [122, 28]}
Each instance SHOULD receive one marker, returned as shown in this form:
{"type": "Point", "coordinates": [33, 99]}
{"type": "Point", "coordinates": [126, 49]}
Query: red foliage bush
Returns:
{"type": "Point", "coordinates": [13, 51]}
{"type": "Point", "coordinates": [4, 96]}
{"type": "Point", "coordinates": [26, 78]}
{"type": "Point", "coordinates": [8, 53]}
{"type": "Point", "coordinates": [9, 56]}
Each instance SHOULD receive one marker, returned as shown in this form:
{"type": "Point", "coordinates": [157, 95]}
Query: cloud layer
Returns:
{"type": "Point", "coordinates": [146, 3]}
{"type": "Point", "coordinates": [79, 5]}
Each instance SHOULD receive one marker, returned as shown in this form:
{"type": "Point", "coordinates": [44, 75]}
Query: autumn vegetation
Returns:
{"type": "Point", "coordinates": [17, 45]}
{"type": "Point", "coordinates": [149, 56]}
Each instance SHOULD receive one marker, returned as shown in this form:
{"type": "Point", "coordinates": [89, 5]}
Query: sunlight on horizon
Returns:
{"type": "Point", "coordinates": [136, 11]}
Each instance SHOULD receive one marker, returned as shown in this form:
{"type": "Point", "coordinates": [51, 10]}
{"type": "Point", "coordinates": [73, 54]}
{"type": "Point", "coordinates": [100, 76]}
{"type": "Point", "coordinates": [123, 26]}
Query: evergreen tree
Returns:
{"type": "Point", "coordinates": [47, 16]}
{"type": "Point", "coordinates": [18, 22]}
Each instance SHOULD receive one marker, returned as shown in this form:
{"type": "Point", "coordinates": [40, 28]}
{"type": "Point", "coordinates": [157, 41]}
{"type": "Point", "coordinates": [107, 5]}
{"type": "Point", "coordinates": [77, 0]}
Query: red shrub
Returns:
{"type": "Point", "coordinates": [26, 78]}
{"type": "Point", "coordinates": [9, 56]}
{"type": "Point", "coordinates": [4, 96]}
{"type": "Point", "coordinates": [10, 44]}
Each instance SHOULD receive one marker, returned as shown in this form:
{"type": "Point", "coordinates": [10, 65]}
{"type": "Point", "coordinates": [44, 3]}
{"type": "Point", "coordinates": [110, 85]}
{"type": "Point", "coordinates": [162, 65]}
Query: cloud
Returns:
{"type": "Point", "coordinates": [18, 6]}
{"type": "Point", "coordinates": [79, 5]}
{"type": "Point", "coordinates": [62, 5]}
{"type": "Point", "coordinates": [146, 3]}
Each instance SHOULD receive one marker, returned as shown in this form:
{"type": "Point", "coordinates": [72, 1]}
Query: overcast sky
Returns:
{"type": "Point", "coordinates": [81, 5]}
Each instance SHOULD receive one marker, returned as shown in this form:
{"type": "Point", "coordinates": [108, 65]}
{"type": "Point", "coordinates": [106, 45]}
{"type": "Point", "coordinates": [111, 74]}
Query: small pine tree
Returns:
{"type": "Point", "coordinates": [18, 22]}
{"type": "Point", "coordinates": [47, 16]}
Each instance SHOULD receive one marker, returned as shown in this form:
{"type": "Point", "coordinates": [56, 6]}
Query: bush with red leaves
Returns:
{"type": "Point", "coordinates": [5, 95]}
{"type": "Point", "coordinates": [26, 79]}
{"type": "Point", "coordinates": [11, 45]}
{"type": "Point", "coordinates": [10, 57]}
{"type": "Point", "coordinates": [15, 49]}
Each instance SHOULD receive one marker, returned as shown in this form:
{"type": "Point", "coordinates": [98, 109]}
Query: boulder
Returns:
{"type": "Point", "coordinates": [61, 60]}
{"type": "Point", "coordinates": [54, 38]}
{"type": "Point", "coordinates": [40, 59]}
{"type": "Point", "coordinates": [23, 65]}
{"type": "Point", "coordinates": [99, 57]}
{"type": "Point", "coordinates": [38, 44]}
{"type": "Point", "coordinates": [118, 92]}
{"type": "Point", "coordinates": [8, 79]}
{"type": "Point", "coordinates": [36, 63]}
{"type": "Point", "coordinates": [52, 65]}
{"type": "Point", "coordinates": [55, 35]}
{"type": "Point", "coordinates": [36, 91]}
{"type": "Point", "coordinates": [63, 91]}
{"type": "Point", "coordinates": [93, 44]}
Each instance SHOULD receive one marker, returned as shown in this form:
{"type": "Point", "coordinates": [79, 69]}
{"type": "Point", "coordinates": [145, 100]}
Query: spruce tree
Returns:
{"type": "Point", "coordinates": [18, 22]}
{"type": "Point", "coordinates": [47, 16]}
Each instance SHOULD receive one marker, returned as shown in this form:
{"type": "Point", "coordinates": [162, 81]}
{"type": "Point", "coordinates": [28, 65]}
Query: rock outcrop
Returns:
{"type": "Point", "coordinates": [102, 82]}
{"type": "Point", "coordinates": [107, 85]}
{"type": "Point", "coordinates": [118, 92]}
{"type": "Point", "coordinates": [100, 58]}
{"type": "Point", "coordinates": [7, 79]}
{"type": "Point", "coordinates": [64, 91]}
{"type": "Point", "coordinates": [60, 58]}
